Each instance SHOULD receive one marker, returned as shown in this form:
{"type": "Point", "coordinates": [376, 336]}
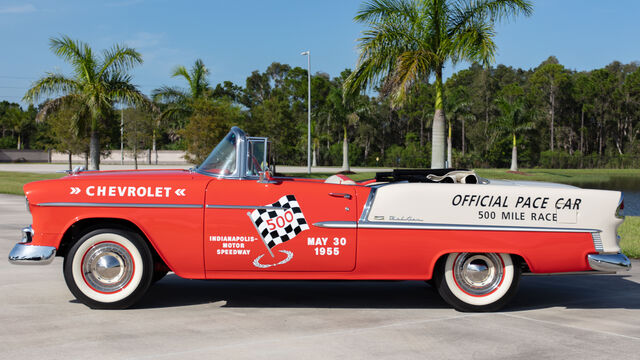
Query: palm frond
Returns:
{"type": "Point", "coordinates": [376, 10]}
{"type": "Point", "coordinates": [52, 106]}
{"type": "Point", "coordinates": [119, 58]}
{"type": "Point", "coordinates": [167, 94]}
{"type": "Point", "coordinates": [51, 84]}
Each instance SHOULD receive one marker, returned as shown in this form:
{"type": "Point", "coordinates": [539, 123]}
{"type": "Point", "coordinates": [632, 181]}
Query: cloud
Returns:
{"type": "Point", "coordinates": [17, 9]}
{"type": "Point", "coordinates": [123, 3]}
{"type": "Point", "coordinates": [144, 40]}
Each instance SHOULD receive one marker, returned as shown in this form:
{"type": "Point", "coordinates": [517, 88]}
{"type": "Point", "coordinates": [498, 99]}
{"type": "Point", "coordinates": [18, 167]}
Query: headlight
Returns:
{"type": "Point", "coordinates": [27, 203]}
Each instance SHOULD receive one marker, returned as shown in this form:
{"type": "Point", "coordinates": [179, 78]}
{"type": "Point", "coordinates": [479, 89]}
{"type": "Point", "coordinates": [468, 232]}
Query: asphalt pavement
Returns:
{"type": "Point", "coordinates": [568, 317]}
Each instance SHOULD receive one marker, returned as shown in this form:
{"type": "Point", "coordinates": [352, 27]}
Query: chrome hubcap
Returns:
{"type": "Point", "coordinates": [478, 274]}
{"type": "Point", "coordinates": [107, 267]}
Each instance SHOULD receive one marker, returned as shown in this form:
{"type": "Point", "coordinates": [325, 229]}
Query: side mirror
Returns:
{"type": "Point", "coordinates": [265, 177]}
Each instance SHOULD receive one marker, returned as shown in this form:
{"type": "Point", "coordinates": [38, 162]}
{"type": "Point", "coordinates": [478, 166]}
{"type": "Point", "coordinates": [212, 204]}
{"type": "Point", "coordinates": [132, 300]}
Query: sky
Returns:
{"type": "Point", "coordinates": [236, 37]}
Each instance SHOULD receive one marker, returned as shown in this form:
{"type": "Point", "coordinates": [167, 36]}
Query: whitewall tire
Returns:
{"type": "Point", "coordinates": [109, 268]}
{"type": "Point", "coordinates": [477, 281]}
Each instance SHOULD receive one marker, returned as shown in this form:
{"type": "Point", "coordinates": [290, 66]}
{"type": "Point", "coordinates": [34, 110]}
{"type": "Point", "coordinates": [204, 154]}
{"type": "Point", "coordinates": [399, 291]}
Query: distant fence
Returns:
{"type": "Point", "coordinates": [165, 157]}
{"type": "Point", "coordinates": [12, 155]}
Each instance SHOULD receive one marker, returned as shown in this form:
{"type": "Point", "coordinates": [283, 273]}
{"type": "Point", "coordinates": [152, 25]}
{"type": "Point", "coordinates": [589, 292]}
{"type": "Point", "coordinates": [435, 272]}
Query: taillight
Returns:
{"type": "Point", "coordinates": [619, 210]}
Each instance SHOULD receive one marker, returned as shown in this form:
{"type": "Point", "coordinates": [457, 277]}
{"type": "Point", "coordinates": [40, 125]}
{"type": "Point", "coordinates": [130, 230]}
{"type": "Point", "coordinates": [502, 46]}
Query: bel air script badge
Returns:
{"type": "Point", "coordinates": [405, 218]}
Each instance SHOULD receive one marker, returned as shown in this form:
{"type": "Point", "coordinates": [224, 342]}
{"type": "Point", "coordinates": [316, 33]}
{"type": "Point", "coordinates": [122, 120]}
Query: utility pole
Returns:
{"type": "Point", "coordinates": [122, 135]}
{"type": "Point", "coordinates": [308, 53]}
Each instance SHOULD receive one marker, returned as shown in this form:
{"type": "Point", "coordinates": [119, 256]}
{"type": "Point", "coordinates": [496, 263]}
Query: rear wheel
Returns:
{"type": "Point", "coordinates": [109, 268]}
{"type": "Point", "coordinates": [477, 281]}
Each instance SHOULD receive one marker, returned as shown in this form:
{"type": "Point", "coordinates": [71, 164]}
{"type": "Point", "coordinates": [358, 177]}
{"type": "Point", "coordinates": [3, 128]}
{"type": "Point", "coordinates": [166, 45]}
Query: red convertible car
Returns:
{"type": "Point", "coordinates": [230, 218]}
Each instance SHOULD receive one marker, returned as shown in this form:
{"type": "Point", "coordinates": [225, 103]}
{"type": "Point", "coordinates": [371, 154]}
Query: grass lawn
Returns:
{"type": "Point", "coordinates": [630, 233]}
{"type": "Point", "coordinates": [12, 182]}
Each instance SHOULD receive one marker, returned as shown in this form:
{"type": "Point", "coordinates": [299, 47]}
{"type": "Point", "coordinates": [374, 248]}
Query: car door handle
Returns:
{"type": "Point", "coordinates": [342, 195]}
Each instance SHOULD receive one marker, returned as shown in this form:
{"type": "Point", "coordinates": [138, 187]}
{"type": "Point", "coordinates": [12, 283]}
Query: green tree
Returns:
{"type": "Point", "coordinates": [513, 118]}
{"type": "Point", "coordinates": [210, 120]}
{"type": "Point", "coordinates": [548, 78]}
{"type": "Point", "coordinates": [97, 82]}
{"type": "Point", "coordinates": [70, 129]}
{"type": "Point", "coordinates": [179, 103]}
{"type": "Point", "coordinates": [409, 40]}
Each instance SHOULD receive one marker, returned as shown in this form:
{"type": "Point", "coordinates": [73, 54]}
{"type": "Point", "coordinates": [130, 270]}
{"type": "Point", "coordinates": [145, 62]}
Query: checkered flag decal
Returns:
{"type": "Point", "coordinates": [279, 225]}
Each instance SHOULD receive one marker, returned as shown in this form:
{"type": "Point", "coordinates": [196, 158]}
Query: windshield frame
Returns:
{"type": "Point", "coordinates": [240, 148]}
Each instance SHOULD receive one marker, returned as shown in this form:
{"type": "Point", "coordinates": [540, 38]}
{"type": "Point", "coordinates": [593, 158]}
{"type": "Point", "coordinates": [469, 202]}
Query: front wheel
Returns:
{"type": "Point", "coordinates": [109, 269]}
{"type": "Point", "coordinates": [477, 281]}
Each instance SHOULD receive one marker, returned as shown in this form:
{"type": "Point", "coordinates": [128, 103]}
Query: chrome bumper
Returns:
{"type": "Point", "coordinates": [25, 253]}
{"type": "Point", "coordinates": [609, 262]}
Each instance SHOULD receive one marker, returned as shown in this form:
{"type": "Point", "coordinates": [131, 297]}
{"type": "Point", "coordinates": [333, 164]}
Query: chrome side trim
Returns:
{"type": "Point", "coordinates": [246, 207]}
{"type": "Point", "coordinates": [609, 262]}
{"type": "Point", "coordinates": [337, 224]}
{"type": "Point", "coordinates": [597, 241]}
{"type": "Point", "coordinates": [410, 226]}
{"type": "Point", "coordinates": [25, 254]}
{"type": "Point", "coordinates": [120, 205]}
{"type": "Point", "coordinates": [367, 205]}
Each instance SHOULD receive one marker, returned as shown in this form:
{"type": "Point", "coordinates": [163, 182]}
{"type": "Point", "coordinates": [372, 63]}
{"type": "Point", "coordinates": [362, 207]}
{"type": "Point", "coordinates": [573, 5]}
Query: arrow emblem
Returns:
{"type": "Point", "coordinates": [75, 190]}
{"type": "Point", "coordinates": [180, 192]}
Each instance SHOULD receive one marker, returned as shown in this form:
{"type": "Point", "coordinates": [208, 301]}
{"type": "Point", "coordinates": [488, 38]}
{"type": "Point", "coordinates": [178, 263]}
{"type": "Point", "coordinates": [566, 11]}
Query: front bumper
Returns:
{"type": "Point", "coordinates": [25, 253]}
{"type": "Point", "coordinates": [609, 262]}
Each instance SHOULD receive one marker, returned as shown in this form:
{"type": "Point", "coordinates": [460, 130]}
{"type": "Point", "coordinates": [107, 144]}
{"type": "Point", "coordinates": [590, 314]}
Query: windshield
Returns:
{"type": "Point", "coordinates": [222, 160]}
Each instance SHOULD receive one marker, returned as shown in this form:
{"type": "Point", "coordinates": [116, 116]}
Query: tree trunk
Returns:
{"type": "Point", "coordinates": [314, 162]}
{"type": "Point", "coordinates": [135, 156]}
{"type": "Point", "coordinates": [421, 131]}
{"type": "Point", "coordinates": [19, 145]}
{"type": "Point", "coordinates": [86, 160]}
{"type": "Point", "coordinates": [94, 150]}
{"type": "Point", "coordinates": [345, 151]}
{"type": "Point", "coordinates": [70, 163]}
{"type": "Point", "coordinates": [449, 160]}
{"type": "Point", "coordinates": [463, 143]}
{"type": "Point", "coordinates": [582, 130]}
{"type": "Point", "coordinates": [437, 130]}
{"type": "Point", "coordinates": [552, 102]}
{"type": "Point", "coordinates": [155, 149]}
{"type": "Point", "coordinates": [514, 155]}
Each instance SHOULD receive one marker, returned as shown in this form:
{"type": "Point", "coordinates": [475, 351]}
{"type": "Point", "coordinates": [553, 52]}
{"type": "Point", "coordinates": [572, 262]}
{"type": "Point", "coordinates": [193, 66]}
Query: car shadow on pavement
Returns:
{"type": "Point", "coordinates": [575, 291]}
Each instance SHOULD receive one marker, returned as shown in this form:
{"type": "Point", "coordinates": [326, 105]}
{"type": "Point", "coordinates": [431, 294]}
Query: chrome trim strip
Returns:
{"type": "Point", "coordinates": [609, 262]}
{"type": "Point", "coordinates": [246, 207]}
{"type": "Point", "coordinates": [25, 254]}
{"type": "Point", "coordinates": [337, 224]}
{"type": "Point", "coordinates": [409, 226]}
{"type": "Point", "coordinates": [367, 205]}
{"type": "Point", "coordinates": [119, 205]}
{"type": "Point", "coordinates": [597, 241]}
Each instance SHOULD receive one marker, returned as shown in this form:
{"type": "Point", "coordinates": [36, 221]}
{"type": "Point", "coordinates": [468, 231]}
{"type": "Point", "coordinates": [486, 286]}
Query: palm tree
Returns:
{"type": "Point", "coordinates": [409, 40]}
{"type": "Point", "coordinates": [97, 83]}
{"type": "Point", "coordinates": [179, 101]}
{"type": "Point", "coordinates": [512, 121]}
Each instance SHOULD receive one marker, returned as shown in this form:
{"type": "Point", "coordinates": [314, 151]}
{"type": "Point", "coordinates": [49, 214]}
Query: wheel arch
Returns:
{"type": "Point", "coordinates": [516, 258]}
{"type": "Point", "coordinates": [83, 226]}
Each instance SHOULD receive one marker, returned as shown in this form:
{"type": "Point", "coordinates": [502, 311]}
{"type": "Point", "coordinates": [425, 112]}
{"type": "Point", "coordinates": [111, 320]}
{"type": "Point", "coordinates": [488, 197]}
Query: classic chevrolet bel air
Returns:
{"type": "Point", "coordinates": [232, 218]}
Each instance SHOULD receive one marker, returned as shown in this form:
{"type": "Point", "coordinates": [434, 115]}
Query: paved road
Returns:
{"type": "Point", "coordinates": [52, 168]}
{"type": "Point", "coordinates": [573, 317]}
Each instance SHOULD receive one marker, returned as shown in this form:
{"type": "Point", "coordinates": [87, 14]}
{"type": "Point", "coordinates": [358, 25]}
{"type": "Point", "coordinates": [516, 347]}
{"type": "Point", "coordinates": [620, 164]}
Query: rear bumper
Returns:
{"type": "Point", "coordinates": [609, 262]}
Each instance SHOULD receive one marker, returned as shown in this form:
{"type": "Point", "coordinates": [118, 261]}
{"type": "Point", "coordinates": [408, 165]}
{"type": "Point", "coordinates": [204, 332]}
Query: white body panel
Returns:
{"type": "Point", "coordinates": [500, 205]}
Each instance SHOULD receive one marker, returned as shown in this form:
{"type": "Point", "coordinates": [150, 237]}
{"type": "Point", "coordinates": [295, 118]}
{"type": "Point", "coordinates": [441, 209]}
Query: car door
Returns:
{"type": "Point", "coordinates": [254, 226]}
